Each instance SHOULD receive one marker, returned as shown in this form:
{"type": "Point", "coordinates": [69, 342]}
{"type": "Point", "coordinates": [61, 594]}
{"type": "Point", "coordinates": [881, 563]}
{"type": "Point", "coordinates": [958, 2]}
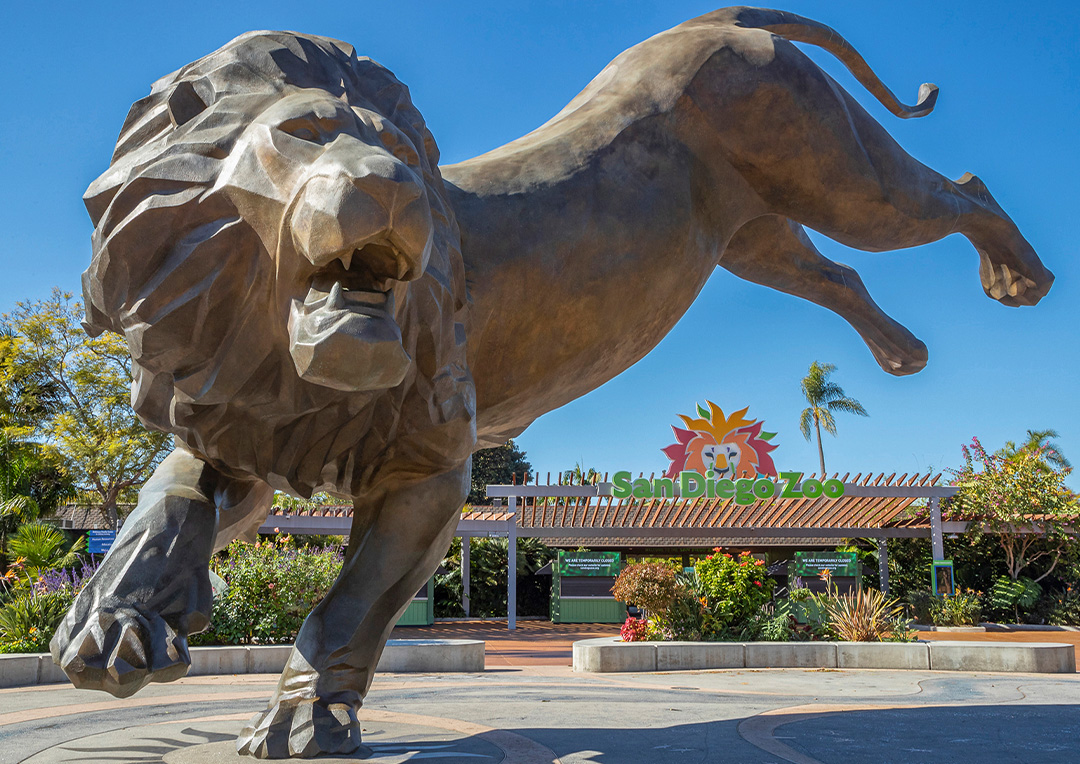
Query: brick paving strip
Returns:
{"type": "Point", "coordinates": [1065, 637]}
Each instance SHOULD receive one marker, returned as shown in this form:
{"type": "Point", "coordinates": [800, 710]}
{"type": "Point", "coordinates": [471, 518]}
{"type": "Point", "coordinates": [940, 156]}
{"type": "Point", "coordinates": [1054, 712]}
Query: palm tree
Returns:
{"type": "Point", "coordinates": [824, 398]}
{"type": "Point", "coordinates": [43, 547]}
{"type": "Point", "coordinates": [1040, 441]}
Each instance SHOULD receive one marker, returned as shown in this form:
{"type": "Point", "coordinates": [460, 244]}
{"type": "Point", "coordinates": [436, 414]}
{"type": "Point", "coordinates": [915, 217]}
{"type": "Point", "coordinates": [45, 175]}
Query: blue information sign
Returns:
{"type": "Point", "coordinates": [100, 541]}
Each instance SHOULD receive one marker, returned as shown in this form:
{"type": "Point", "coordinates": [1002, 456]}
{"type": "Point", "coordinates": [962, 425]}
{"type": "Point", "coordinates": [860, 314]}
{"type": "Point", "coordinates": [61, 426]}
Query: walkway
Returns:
{"type": "Point", "coordinates": [549, 715]}
{"type": "Point", "coordinates": [533, 643]}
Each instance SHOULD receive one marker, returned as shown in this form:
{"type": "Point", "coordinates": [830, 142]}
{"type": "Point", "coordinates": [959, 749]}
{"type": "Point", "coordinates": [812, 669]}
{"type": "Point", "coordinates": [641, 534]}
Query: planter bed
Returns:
{"type": "Point", "coordinates": [400, 656]}
{"type": "Point", "coordinates": [610, 654]}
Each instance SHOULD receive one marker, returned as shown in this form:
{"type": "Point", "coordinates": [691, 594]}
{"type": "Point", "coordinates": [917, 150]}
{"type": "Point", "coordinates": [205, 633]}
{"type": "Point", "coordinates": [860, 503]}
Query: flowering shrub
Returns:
{"type": "Point", "coordinates": [35, 606]}
{"type": "Point", "coordinates": [28, 621]}
{"type": "Point", "coordinates": [732, 590]}
{"type": "Point", "coordinates": [272, 586]}
{"type": "Point", "coordinates": [651, 586]}
{"type": "Point", "coordinates": [635, 630]}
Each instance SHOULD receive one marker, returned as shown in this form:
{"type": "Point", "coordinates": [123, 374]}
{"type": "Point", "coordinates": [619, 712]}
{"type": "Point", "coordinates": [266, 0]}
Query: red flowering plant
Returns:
{"type": "Point", "coordinates": [733, 591]}
{"type": "Point", "coordinates": [635, 630]}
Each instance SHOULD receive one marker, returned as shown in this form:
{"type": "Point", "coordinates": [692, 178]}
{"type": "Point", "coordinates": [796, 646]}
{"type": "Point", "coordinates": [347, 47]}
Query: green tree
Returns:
{"type": "Point", "coordinates": [496, 466]}
{"type": "Point", "coordinates": [825, 397]}
{"type": "Point", "coordinates": [1040, 441]}
{"type": "Point", "coordinates": [1022, 502]}
{"type": "Point", "coordinates": [91, 425]}
{"type": "Point", "coordinates": [32, 479]}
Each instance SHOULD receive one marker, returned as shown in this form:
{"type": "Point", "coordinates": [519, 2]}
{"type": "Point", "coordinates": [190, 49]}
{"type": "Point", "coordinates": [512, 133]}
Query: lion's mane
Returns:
{"type": "Point", "coordinates": [182, 276]}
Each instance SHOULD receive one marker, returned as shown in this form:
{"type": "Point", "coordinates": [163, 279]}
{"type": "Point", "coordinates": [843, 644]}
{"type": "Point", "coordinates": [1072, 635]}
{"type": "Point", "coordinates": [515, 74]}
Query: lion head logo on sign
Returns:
{"type": "Point", "coordinates": [731, 446]}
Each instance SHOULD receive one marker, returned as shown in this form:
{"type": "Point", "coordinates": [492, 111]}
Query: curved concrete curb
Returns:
{"type": "Point", "coordinates": [399, 656]}
{"type": "Point", "coordinates": [610, 654]}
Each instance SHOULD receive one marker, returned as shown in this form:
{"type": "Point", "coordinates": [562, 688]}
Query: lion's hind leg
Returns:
{"type": "Point", "coordinates": [813, 154]}
{"type": "Point", "coordinates": [130, 624]}
{"type": "Point", "coordinates": [776, 252]}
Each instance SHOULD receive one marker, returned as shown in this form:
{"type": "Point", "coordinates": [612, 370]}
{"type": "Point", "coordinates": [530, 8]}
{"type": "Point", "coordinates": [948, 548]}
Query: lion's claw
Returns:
{"type": "Point", "coordinates": [301, 728]}
{"type": "Point", "coordinates": [119, 650]}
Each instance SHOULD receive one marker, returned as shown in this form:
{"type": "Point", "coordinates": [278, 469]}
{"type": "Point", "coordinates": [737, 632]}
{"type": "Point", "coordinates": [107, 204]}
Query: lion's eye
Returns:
{"type": "Point", "coordinates": [301, 129]}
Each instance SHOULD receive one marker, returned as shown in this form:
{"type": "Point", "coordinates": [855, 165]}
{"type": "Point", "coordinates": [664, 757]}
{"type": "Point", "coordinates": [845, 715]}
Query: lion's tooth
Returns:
{"type": "Point", "coordinates": [335, 301]}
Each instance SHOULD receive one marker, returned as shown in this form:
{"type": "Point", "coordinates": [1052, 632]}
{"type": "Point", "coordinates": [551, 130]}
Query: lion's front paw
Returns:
{"type": "Point", "coordinates": [301, 728]}
{"type": "Point", "coordinates": [119, 650]}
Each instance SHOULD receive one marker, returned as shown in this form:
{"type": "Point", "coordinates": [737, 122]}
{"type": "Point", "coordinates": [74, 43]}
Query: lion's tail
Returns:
{"type": "Point", "coordinates": [800, 29]}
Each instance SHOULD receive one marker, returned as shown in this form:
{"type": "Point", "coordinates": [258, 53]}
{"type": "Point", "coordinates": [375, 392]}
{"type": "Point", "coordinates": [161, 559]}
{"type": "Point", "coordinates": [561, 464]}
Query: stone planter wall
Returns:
{"type": "Point", "coordinates": [399, 656]}
{"type": "Point", "coordinates": [609, 654]}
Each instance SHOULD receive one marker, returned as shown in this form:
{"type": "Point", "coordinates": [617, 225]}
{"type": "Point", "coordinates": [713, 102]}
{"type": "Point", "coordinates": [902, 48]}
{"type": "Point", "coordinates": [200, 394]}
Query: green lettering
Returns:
{"type": "Point", "coordinates": [622, 485]}
{"type": "Point", "coordinates": [791, 479]}
{"type": "Point", "coordinates": [663, 487]}
{"type": "Point", "coordinates": [725, 488]}
{"type": "Point", "coordinates": [764, 488]}
{"type": "Point", "coordinates": [834, 489]}
{"type": "Point", "coordinates": [811, 488]}
{"type": "Point", "coordinates": [686, 479]}
{"type": "Point", "coordinates": [744, 491]}
{"type": "Point", "coordinates": [642, 488]}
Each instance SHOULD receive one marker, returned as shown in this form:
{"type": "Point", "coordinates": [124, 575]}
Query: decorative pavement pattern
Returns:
{"type": "Point", "coordinates": [549, 715]}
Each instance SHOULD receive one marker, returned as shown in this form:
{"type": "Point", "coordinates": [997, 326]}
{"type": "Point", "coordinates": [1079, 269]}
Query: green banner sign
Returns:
{"type": "Point", "coordinates": [575, 564]}
{"type": "Point", "coordinates": [837, 563]}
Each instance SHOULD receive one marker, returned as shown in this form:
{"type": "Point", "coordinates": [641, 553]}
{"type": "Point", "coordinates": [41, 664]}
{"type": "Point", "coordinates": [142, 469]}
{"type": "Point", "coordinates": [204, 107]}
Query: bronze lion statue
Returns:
{"type": "Point", "coordinates": [313, 304]}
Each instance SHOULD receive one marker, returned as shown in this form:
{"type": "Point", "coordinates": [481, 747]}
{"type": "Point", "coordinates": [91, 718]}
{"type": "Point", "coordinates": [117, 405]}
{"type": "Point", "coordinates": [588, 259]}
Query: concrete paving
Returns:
{"type": "Point", "coordinates": [550, 715]}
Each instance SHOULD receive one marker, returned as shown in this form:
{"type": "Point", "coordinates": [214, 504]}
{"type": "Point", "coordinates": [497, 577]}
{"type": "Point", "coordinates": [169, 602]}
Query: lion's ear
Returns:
{"type": "Point", "coordinates": [184, 103]}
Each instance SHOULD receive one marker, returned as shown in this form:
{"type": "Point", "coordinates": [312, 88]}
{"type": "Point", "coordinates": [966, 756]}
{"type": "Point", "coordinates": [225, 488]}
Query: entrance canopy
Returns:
{"type": "Point", "coordinates": [587, 514]}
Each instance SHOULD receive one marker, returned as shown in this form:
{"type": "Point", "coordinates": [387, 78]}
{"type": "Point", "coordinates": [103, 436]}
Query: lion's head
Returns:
{"type": "Point", "coordinates": [273, 239]}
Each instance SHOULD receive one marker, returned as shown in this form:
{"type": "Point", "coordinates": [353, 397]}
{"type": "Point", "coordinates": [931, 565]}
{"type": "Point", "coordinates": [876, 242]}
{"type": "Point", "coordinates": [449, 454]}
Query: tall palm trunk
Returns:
{"type": "Point", "coordinates": [820, 450]}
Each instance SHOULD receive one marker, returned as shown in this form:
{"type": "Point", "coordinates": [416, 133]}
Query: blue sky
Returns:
{"type": "Point", "coordinates": [484, 73]}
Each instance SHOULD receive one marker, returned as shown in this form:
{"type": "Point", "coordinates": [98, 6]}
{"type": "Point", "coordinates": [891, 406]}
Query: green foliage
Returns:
{"type": "Point", "coordinates": [733, 589]}
{"type": "Point", "coordinates": [42, 546]}
{"type": "Point", "coordinates": [1009, 595]}
{"type": "Point", "coordinates": [774, 623]}
{"type": "Point", "coordinates": [29, 619]}
{"type": "Point", "coordinates": [89, 419]}
{"type": "Point", "coordinates": [272, 586]}
{"type": "Point", "coordinates": [1022, 501]}
{"type": "Point", "coordinates": [1039, 442]}
{"type": "Point", "coordinates": [503, 465]}
{"type": "Point", "coordinates": [1064, 608]}
{"type": "Point", "coordinates": [487, 579]}
{"type": "Point", "coordinates": [825, 397]}
{"type": "Point", "coordinates": [961, 609]}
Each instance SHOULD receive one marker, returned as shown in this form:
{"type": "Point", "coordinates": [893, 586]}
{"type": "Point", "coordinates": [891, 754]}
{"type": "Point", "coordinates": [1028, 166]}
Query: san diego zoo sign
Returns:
{"type": "Point", "coordinates": [724, 457]}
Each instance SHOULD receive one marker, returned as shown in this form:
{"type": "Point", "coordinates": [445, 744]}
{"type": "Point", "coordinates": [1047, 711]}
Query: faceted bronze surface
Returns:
{"type": "Point", "coordinates": [312, 304]}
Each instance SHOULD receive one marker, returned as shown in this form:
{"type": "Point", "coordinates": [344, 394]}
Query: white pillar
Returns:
{"type": "Point", "coordinates": [466, 543]}
{"type": "Point", "coordinates": [883, 563]}
{"type": "Point", "coordinates": [937, 545]}
{"type": "Point", "coordinates": [511, 565]}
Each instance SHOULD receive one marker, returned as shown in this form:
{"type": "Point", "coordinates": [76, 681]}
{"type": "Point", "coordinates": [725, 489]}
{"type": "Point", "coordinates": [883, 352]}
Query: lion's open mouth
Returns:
{"type": "Point", "coordinates": [343, 333]}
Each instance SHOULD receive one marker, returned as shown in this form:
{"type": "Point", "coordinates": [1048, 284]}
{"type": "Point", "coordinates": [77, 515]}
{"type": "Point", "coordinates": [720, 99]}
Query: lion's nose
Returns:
{"type": "Point", "coordinates": [360, 195]}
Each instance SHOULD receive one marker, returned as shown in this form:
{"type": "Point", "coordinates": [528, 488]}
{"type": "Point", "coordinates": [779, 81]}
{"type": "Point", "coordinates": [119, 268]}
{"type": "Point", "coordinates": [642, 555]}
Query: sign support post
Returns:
{"type": "Point", "coordinates": [937, 545]}
{"type": "Point", "coordinates": [466, 542]}
{"type": "Point", "coordinates": [511, 565]}
{"type": "Point", "coordinates": [883, 563]}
